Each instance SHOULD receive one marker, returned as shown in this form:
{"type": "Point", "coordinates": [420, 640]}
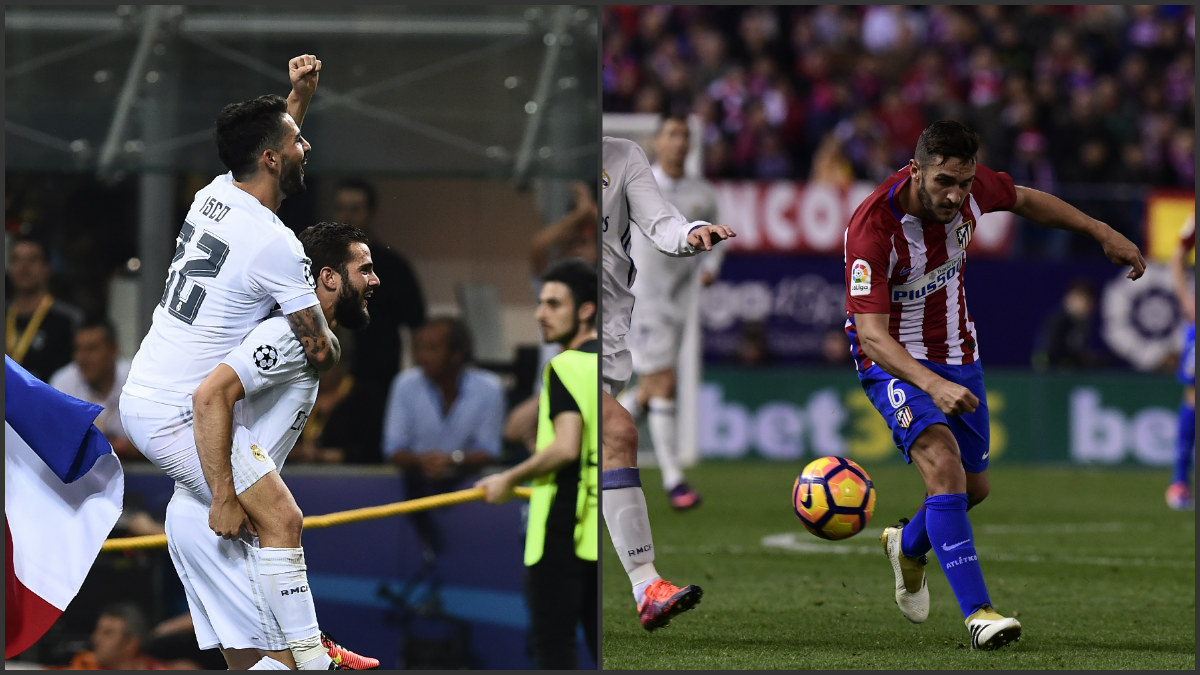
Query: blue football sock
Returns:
{"type": "Point", "coordinates": [1185, 444]}
{"type": "Point", "coordinates": [914, 539]}
{"type": "Point", "coordinates": [954, 546]}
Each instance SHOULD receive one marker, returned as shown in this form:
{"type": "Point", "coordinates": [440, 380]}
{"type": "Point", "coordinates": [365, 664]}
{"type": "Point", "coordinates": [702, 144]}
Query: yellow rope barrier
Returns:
{"type": "Point", "coordinates": [337, 518]}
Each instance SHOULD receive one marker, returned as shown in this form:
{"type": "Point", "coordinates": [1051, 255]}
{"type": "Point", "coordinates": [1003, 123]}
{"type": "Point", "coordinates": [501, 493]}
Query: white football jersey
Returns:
{"type": "Point", "coordinates": [630, 195]}
{"type": "Point", "coordinates": [281, 387]}
{"type": "Point", "coordinates": [234, 260]}
{"type": "Point", "coordinates": [663, 281]}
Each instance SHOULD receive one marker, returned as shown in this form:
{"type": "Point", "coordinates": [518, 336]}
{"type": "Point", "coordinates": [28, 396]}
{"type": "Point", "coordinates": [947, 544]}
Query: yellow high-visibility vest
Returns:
{"type": "Point", "coordinates": [579, 372]}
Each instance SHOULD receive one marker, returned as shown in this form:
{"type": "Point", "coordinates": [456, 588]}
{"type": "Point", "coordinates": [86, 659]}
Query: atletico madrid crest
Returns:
{"type": "Point", "coordinates": [963, 234]}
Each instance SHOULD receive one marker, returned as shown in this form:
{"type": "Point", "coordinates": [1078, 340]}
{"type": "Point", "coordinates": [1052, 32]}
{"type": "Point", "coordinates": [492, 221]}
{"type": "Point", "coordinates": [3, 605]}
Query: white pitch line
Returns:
{"type": "Point", "coordinates": [790, 541]}
{"type": "Point", "coordinates": [1051, 528]}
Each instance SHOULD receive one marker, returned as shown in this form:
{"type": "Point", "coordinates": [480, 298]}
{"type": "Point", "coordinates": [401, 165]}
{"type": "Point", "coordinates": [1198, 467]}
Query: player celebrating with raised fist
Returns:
{"type": "Point", "coordinates": [631, 197]}
{"type": "Point", "coordinates": [234, 260]}
{"type": "Point", "coordinates": [915, 349]}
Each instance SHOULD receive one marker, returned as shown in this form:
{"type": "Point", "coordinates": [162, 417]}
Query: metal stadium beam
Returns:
{"type": "Point", "coordinates": [151, 27]}
{"type": "Point", "coordinates": [541, 96]}
{"type": "Point", "coordinates": [239, 23]}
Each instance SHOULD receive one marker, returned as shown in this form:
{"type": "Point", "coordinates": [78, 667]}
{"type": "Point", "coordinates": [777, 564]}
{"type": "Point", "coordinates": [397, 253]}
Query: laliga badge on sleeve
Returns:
{"type": "Point", "coordinates": [860, 277]}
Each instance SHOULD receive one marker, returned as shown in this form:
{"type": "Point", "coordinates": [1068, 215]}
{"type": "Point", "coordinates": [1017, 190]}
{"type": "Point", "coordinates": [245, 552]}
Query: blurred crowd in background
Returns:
{"type": "Point", "coordinates": [1059, 94]}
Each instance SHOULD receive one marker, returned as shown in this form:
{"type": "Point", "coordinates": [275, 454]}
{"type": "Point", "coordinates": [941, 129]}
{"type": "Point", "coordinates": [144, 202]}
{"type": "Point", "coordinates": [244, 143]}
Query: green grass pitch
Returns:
{"type": "Point", "coordinates": [1100, 573]}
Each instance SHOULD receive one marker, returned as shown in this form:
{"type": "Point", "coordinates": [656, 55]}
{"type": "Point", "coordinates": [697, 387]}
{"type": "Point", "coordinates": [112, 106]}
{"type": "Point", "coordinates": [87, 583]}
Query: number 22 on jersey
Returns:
{"type": "Point", "coordinates": [213, 251]}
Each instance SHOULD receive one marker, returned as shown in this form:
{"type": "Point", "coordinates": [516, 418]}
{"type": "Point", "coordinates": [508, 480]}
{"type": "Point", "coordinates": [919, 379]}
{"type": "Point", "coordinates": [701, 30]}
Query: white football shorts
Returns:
{"type": "Point", "coordinates": [654, 341]}
{"type": "Point", "coordinates": [228, 605]}
{"type": "Point", "coordinates": [617, 370]}
{"type": "Point", "coordinates": [163, 433]}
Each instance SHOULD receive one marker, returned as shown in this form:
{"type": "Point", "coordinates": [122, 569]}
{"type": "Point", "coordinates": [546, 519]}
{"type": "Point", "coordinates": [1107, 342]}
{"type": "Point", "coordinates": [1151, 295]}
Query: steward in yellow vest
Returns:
{"type": "Point", "coordinates": [560, 544]}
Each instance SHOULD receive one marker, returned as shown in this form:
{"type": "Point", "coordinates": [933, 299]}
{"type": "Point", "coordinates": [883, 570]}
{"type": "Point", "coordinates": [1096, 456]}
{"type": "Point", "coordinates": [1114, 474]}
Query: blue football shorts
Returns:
{"type": "Point", "coordinates": [1187, 356]}
{"type": "Point", "coordinates": [909, 411]}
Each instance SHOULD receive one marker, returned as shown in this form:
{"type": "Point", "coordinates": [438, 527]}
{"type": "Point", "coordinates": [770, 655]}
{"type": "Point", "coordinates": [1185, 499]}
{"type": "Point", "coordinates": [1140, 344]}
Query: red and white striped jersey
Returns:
{"type": "Point", "coordinates": [897, 264]}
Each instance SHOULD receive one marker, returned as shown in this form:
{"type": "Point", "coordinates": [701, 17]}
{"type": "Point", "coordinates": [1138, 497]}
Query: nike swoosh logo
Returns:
{"type": "Point", "coordinates": [985, 455]}
{"type": "Point", "coordinates": [951, 547]}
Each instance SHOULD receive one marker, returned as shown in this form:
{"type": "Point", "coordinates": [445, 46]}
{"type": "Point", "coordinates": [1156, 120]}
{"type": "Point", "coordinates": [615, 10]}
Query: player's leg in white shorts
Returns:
{"type": "Point", "coordinates": [616, 369]}
{"type": "Point", "coordinates": [219, 576]}
{"type": "Point", "coordinates": [163, 434]}
{"type": "Point", "coordinates": [654, 342]}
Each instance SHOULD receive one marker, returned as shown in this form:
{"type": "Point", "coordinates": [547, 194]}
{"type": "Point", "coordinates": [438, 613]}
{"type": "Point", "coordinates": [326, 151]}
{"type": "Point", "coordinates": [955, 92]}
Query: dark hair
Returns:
{"type": "Point", "coordinates": [577, 275]}
{"type": "Point", "coordinates": [362, 186]}
{"type": "Point", "coordinates": [36, 241]}
{"type": "Point", "coordinates": [328, 245]}
{"type": "Point", "coordinates": [670, 118]}
{"type": "Point", "coordinates": [245, 129]}
{"type": "Point", "coordinates": [946, 139]}
{"type": "Point", "coordinates": [97, 321]}
{"type": "Point", "coordinates": [135, 619]}
{"type": "Point", "coordinates": [458, 336]}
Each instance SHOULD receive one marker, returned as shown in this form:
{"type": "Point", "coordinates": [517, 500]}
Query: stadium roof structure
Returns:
{"type": "Point", "coordinates": [503, 92]}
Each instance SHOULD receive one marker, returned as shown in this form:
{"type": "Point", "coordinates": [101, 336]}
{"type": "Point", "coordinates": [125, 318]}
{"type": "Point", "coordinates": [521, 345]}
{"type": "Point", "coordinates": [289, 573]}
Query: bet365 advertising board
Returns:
{"type": "Point", "coordinates": [796, 413]}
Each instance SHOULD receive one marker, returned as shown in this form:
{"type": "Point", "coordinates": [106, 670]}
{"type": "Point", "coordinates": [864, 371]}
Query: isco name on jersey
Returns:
{"type": "Point", "coordinates": [234, 259]}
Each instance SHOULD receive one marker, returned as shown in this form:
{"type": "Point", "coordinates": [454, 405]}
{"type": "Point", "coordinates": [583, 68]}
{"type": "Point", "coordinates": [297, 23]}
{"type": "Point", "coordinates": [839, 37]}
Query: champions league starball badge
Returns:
{"type": "Point", "coordinates": [265, 357]}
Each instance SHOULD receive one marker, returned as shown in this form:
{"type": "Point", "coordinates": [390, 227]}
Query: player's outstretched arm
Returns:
{"type": "Point", "coordinates": [659, 219]}
{"type": "Point", "coordinates": [321, 346]}
{"type": "Point", "coordinates": [303, 71]}
{"type": "Point", "coordinates": [212, 418]}
{"type": "Point", "coordinates": [1046, 209]}
{"type": "Point", "coordinates": [704, 237]}
{"type": "Point", "coordinates": [562, 451]}
{"type": "Point", "coordinates": [894, 359]}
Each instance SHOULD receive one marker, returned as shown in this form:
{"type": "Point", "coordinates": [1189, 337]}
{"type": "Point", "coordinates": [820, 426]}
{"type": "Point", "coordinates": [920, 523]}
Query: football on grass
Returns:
{"type": "Point", "coordinates": [833, 497]}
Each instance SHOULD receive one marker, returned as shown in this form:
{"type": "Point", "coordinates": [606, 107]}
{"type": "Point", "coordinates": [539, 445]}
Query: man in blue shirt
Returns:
{"type": "Point", "coordinates": [444, 418]}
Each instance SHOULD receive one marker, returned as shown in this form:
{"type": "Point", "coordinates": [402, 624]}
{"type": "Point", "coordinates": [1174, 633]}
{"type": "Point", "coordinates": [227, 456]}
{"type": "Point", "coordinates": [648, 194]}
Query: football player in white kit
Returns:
{"type": "Point", "coordinates": [666, 289]}
{"type": "Point", "coordinates": [234, 260]}
{"type": "Point", "coordinates": [249, 413]}
{"type": "Point", "coordinates": [630, 196]}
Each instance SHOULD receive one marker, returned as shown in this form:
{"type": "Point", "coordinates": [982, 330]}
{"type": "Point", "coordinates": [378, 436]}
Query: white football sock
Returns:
{"type": "Point", "coordinates": [663, 433]}
{"type": "Point", "coordinates": [639, 590]}
{"type": "Point", "coordinates": [268, 663]}
{"type": "Point", "coordinates": [285, 583]}
{"type": "Point", "coordinates": [628, 524]}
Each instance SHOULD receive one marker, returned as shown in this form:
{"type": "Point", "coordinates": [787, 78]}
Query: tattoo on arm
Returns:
{"type": "Point", "coordinates": [321, 346]}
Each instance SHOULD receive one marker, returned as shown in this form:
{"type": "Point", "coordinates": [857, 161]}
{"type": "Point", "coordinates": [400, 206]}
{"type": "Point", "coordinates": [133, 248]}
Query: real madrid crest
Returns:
{"type": "Point", "coordinates": [308, 277]}
{"type": "Point", "coordinates": [603, 179]}
{"type": "Point", "coordinates": [963, 234]}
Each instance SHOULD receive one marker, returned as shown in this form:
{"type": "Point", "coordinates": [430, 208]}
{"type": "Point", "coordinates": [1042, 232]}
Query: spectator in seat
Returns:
{"type": "Point", "coordinates": [96, 375]}
{"type": "Point", "coordinates": [443, 417]}
{"type": "Point", "coordinates": [353, 426]}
